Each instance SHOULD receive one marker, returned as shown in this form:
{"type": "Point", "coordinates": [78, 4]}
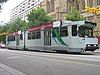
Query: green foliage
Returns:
{"type": "Point", "coordinates": [2, 37]}
{"type": "Point", "coordinates": [74, 15]}
{"type": "Point", "coordinates": [15, 26]}
{"type": "Point", "coordinates": [38, 17]}
{"type": "Point", "coordinates": [2, 1]}
{"type": "Point", "coordinates": [2, 30]}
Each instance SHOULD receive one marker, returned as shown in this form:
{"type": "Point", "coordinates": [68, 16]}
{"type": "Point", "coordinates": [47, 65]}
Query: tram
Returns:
{"type": "Point", "coordinates": [69, 36]}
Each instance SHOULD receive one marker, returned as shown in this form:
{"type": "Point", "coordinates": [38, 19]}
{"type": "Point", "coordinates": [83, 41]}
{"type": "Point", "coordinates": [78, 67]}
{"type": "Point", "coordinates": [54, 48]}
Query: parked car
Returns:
{"type": "Point", "coordinates": [2, 45]}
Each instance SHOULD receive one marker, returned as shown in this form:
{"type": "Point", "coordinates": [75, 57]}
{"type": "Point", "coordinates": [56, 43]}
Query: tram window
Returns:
{"type": "Point", "coordinates": [11, 38]}
{"type": "Point", "coordinates": [21, 36]}
{"type": "Point", "coordinates": [74, 30]}
{"type": "Point", "coordinates": [55, 31]}
{"type": "Point", "coordinates": [63, 31]}
{"type": "Point", "coordinates": [29, 36]}
{"type": "Point", "coordinates": [38, 35]}
{"type": "Point", "coordinates": [33, 35]}
{"type": "Point", "coordinates": [8, 38]}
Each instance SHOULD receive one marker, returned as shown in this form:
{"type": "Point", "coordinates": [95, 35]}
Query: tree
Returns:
{"type": "Point", "coordinates": [38, 17]}
{"type": "Point", "coordinates": [2, 33]}
{"type": "Point", "coordinates": [2, 1]}
{"type": "Point", "coordinates": [74, 15]}
{"type": "Point", "coordinates": [17, 25]}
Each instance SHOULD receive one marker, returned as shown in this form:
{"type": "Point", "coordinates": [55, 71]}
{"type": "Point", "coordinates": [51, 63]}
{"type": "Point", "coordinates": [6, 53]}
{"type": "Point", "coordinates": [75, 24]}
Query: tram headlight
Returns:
{"type": "Point", "coordinates": [89, 45]}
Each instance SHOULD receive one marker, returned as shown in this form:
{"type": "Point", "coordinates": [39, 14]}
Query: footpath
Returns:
{"type": "Point", "coordinates": [5, 70]}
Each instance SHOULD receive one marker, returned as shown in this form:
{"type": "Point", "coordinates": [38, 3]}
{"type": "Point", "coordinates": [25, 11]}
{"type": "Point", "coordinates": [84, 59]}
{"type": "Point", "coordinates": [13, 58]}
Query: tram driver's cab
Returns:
{"type": "Point", "coordinates": [85, 32]}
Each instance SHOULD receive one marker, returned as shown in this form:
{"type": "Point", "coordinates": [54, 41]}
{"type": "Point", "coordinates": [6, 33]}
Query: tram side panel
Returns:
{"type": "Point", "coordinates": [76, 44]}
{"type": "Point", "coordinates": [11, 42]}
{"type": "Point", "coordinates": [21, 40]}
{"type": "Point", "coordinates": [68, 40]}
{"type": "Point", "coordinates": [11, 45]}
{"type": "Point", "coordinates": [60, 39]}
{"type": "Point", "coordinates": [34, 42]}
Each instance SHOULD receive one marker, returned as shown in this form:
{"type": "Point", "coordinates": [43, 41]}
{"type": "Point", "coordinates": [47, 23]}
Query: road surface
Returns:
{"type": "Point", "coordinates": [42, 63]}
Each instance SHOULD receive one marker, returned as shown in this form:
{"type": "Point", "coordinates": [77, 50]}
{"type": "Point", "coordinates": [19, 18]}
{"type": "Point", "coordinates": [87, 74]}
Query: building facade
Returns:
{"type": "Point", "coordinates": [24, 8]}
{"type": "Point", "coordinates": [93, 17]}
{"type": "Point", "coordinates": [57, 9]}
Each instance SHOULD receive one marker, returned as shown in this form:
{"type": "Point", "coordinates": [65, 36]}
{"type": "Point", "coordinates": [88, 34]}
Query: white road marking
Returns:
{"type": "Point", "coordinates": [14, 57]}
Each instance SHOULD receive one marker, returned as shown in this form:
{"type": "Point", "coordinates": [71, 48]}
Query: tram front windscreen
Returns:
{"type": "Point", "coordinates": [85, 31]}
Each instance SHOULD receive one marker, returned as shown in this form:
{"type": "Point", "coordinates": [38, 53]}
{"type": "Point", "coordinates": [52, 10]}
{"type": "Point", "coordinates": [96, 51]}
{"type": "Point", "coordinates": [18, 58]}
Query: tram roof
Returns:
{"type": "Point", "coordinates": [13, 33]}
{"type": "Point", "coordinates": [68, 23]}
{"type": "Point", "coordinates": [41, 27]}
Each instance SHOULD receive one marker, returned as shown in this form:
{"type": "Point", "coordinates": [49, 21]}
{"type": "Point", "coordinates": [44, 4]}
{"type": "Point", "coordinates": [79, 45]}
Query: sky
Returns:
{"type": "Point", "coordinates": [6, 11]}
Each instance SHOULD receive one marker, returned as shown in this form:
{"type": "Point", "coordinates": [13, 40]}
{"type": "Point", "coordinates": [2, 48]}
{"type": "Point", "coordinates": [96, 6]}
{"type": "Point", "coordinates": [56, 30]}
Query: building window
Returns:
{"type": "Point", "coordinates": [98, 2]}
{"type": "Point", "coordinates": [28, 7]}
{"type": "Point", "coordinates": [48, 7]}
{"type": "Point", "coordinates": [89, 3]}
{"type": "Point", "coordinates": [38, 0]}
{"type": "Point", "coordinates": [52, 5]}
{"type": "Point", "coordinates": [68, 7]}
{"type": "Point", "coordinates": [82, 4]}
{"type": "Point", "coordinates": [32, 4]}
{"type": "Point", "coordinates": [77, 6]}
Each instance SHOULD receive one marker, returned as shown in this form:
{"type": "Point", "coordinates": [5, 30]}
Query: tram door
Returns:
{"type": "Point", "coordinates": [47, 38]}
{"type": "Point", "coordinates": [17, 40]}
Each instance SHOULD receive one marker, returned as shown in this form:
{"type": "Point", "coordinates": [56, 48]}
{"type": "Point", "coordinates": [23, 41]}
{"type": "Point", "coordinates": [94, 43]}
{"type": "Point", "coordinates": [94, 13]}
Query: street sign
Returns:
{"type": "Point", "coordinates": [93, 10]}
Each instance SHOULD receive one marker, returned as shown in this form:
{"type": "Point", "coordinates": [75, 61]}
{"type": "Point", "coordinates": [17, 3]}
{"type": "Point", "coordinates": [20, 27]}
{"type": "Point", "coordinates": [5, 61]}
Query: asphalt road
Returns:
{"type": "Point", "coordinates": [39, 63]}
